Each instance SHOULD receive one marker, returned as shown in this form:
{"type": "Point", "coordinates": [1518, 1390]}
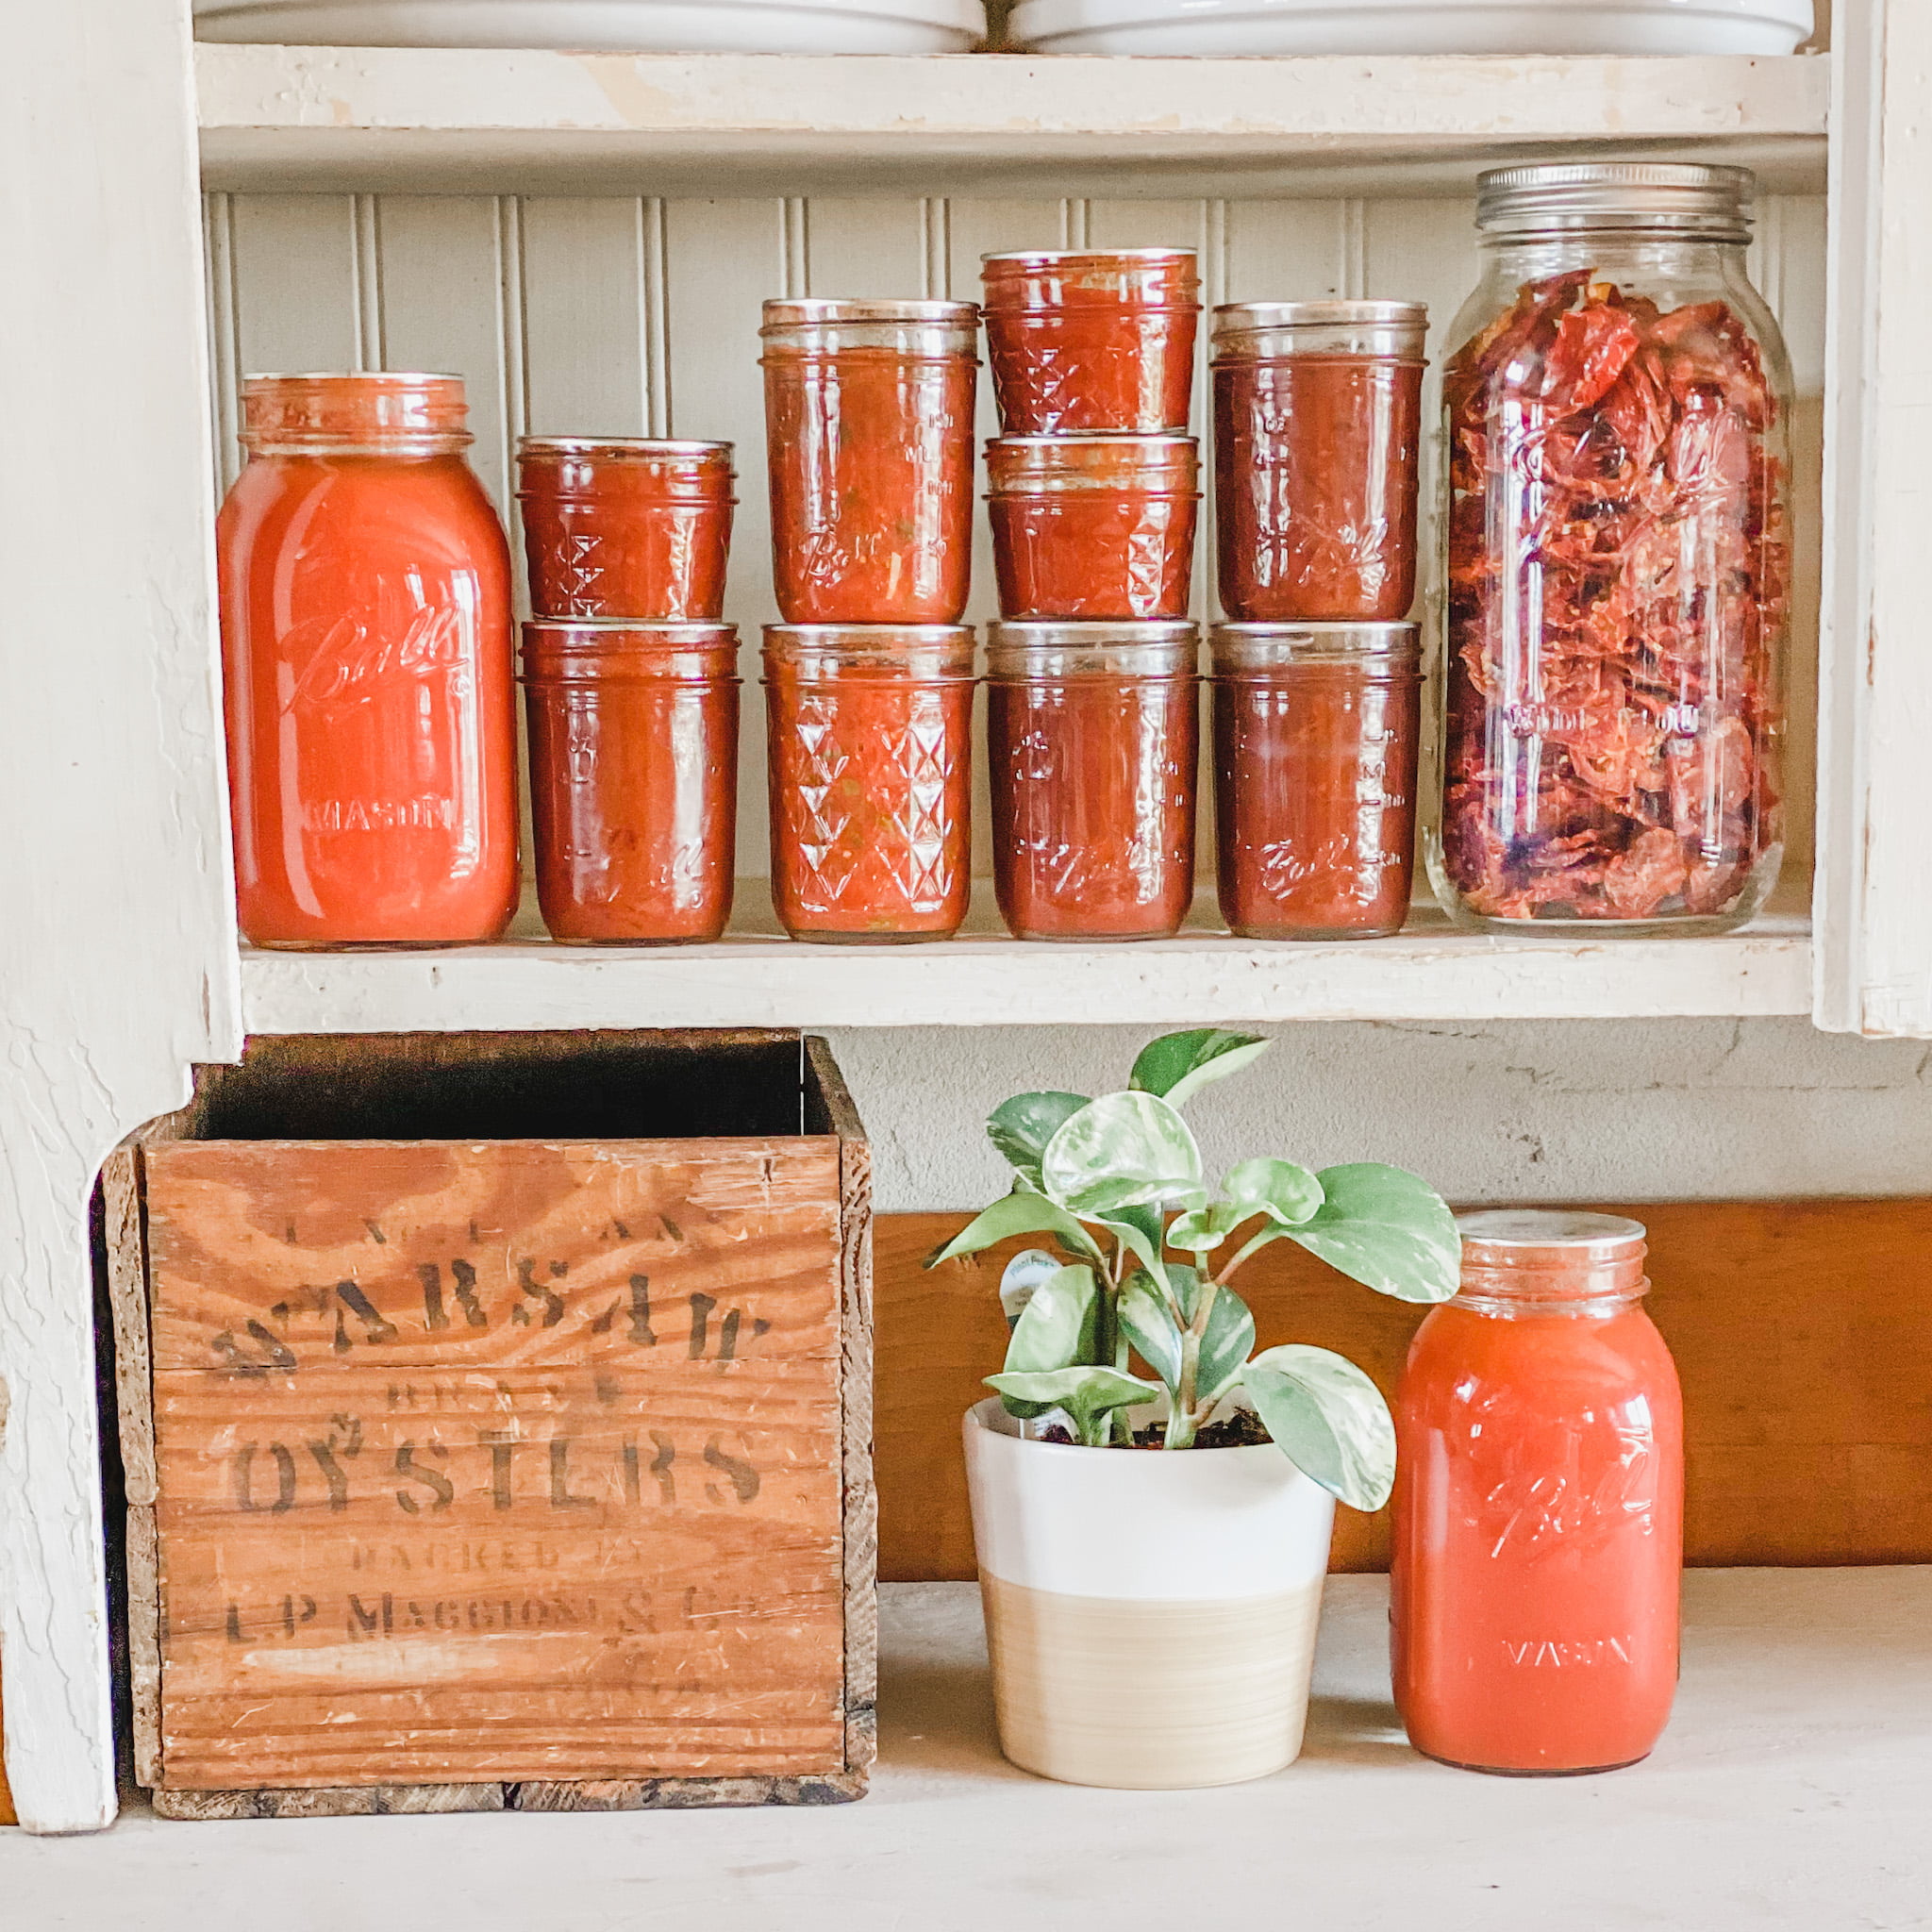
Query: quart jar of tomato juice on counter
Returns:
{"type": "Point", "coordinates": [633, 778]}
{"type": "Point", "coordinates": [1317, 732]}
{"type": "Point", "coordinates": [868, 426]}
{"type": "Point", "coordinates": [1091, 739]}
{"type": "Point", "coordinates": [1318, 435]}
{"type": "Point", "coordinates": [1085, 342]}
{"type": "Point", "coordinates": [870, 736]}
{"type": "Point", "coordinates": [1540, 1505]}
{"type": "Point", "coordinates": [627, 528]}
{"type": "Point", "coordinates": [1093, 526]}
{"type": "Point", "coordinates": [370, 696]}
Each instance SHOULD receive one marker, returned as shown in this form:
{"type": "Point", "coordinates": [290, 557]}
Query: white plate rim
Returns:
{"type": "Point", "coordinates": [964, 16]}
{"type": "Point", "coordinates": [1049, 19]}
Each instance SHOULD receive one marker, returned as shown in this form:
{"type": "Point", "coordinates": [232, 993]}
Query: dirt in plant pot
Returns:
{"type": "Point", "coordinates": [1241, 1430]}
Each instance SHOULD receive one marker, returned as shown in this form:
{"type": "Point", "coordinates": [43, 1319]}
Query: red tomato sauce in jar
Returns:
{"type": "Point", "coordinates": [633, 778]}
{"type": "Point", "coordinates": [868, 426]}
{"type": "Point", "coordinates": [1317, 733]}
{"type": "Point", "coordinates": [1095, 526]}
{"type": "Point", "coordinates": [1092, 733]}
{"type": "Point", "coordinates": [1538, 1505]}
{"type": "Point", "coordinates": [365, 602]}
{"type": "Point", "coordinates": [870, 736]}
{"type": "Point", "coordinates": [1089, 341]}
{"type": "Point", "coordinates": [626, 529]}
{"type": "Point", "coordinates": [1318, 436]}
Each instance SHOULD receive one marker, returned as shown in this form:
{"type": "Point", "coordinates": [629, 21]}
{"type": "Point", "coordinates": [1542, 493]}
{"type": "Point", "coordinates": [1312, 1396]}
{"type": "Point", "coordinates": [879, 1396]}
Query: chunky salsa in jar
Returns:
{"type": "Point", "coordinates": [1620, 566]}
{"type": "Point", "coordinates": [626, 529]}
{"type": "Point", "coordinates": [1538, 1505]}
{"type": "Point", "coordinates": [1317, 437]}
{"type": "Point", "coordinates": [1093, 526]}
{"type": "Point", "coordinates": [1093, 737]}
{"type": "Point", "coordinates": [633, 778]}
{"type": "Point", "coordinates": [1088, 342]}
{"type": "Point", "coordinates": [365, 602]}
{"type": "Point", "coordinates": [1317, 731]}
{"type": "Point", "coordinates": [870, 731]}
{"type": "Point", "coordinates": [869, 422]}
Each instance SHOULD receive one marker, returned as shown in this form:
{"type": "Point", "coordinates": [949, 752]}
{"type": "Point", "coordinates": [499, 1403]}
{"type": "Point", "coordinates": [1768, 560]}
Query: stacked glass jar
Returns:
{"type": "Point", "coordinates": [869, 680]}
{"type": "Point", "coordinates": [1095, 492]}
{"type": "Point", "coordinates": [1317, 678]}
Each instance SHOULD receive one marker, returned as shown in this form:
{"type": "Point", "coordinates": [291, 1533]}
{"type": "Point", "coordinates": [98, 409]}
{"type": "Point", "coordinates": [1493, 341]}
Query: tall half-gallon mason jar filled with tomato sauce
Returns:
{"type": "Point", "coordinates": [1540, 1505]}
{"type": "Point", "coordinates": [1620, 559]}
{"type": "Point", "coordinates": [870, 733]}
{"type": "Point", "coordinates": [869, 429]}
{"type": "Point", "coordinates": [365, 600]}
{"type": "Point", "coordinates": [1093, 732]}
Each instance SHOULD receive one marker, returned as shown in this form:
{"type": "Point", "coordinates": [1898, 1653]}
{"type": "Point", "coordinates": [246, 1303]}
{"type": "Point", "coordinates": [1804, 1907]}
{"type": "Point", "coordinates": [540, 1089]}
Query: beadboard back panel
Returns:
{"type": "Point", "coordinates": [638, 316]}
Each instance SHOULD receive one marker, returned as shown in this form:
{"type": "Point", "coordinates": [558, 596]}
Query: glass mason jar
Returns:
{"type": "Point", "coordinates": [869, 422]}
{"type": "Point", "coordinates": [1619, 560]}
{"type": "Point", "coordinates": [1539, 1505]}
{"type": "Point", "coordinates": [633, 778]}
{"type": "Point", "coordinates": [1317, 731]}
{"type": "Point", "coordinates": [625, 528]}
{"type": "Point", "coordinates": [1092, 341]}
{"type": "Point", "coordinates": [366, 649]}
{"type": "Point", "coordinates": [1095, 526]}
{"type": "Point", "coordinates": [1317, 433]}
{"type": "Point", "coordinates": [1093, 732]}
{"type": "Point", "coordinates": [870, 735]}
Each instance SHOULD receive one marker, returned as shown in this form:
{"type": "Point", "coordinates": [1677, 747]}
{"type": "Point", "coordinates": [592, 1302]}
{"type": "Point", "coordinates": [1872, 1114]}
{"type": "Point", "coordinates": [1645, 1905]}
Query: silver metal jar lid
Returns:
{"type": "Point", "coordinates": [1397, 331]}
{"type": "Point", "coordinates": [1390, 649]}
{"type": "Point", "coordinates": [1048, 649]}
{"type": "Point", "coordinates": [1246, 315]}
{"type": "Point", "coordinates": [808, 314]}
{"type": "Point", "coordinates": [1603, 1236]}
{"type": "Point", "coordinates": [641, 449]}
{"type": "Point", "coordinates": [1701, 203]}
{"type": "Point", "coordinates": [1117, 460]}
{"type": "Point", "coordinates": [1059, 258]}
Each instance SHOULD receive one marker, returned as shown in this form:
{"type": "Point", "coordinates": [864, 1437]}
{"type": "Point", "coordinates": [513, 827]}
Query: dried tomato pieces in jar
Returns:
{"type": "Point", "coordinates": [1619, 559]}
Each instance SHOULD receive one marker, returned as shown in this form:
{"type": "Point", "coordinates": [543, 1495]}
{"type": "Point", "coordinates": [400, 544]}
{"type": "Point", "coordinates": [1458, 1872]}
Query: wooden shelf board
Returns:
{"type": "Point", "coordinates": [375, 118]}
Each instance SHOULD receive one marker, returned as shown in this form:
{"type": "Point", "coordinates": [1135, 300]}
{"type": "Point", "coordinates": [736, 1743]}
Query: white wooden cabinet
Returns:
{"type": "Point", "coordinates": [588, 239]}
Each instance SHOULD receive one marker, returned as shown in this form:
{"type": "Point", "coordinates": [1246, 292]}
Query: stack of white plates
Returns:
{"type": "Point", "coordinates": [631, 26]}
{"type": "Point", "coordinates": [1413, 26]}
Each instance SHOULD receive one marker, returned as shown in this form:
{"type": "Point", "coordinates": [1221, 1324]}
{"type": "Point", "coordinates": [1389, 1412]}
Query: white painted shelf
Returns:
{"type": "Point", "coordinates": [1201, 978]}
{"type": "Point", "coordinates": [394, 119]}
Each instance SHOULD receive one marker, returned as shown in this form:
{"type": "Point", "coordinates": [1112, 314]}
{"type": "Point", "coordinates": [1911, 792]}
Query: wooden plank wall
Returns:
{"type": "Point", "coordinates": [1802, 1329]}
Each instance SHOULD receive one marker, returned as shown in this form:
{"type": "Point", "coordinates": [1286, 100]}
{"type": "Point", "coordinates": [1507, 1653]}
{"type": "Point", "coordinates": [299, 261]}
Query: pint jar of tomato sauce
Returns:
{"type": "Point", "coordinates": [870, 735]}
{"type": "Point", "coordinates": [1093, 526]}
{"type": "Point", "coordinates": [1089, 341]}
{"type": "Point", "coordinates": [633, 778]}
{"type": "Point", "coordinates": [869, 423]}
{"type": "Point", "coordinates": [1540, 1505]}
{"type": "Point", "coordinates": [365, 602]}
{"type": "Point", "coordinates": [627, 528]}
{"type": "Point", "coordinates": [1318, 436]}
{"type": "Point", "coordinates": [1091, 739]}
{"type": "Point", "coordinates": [1317, 731]}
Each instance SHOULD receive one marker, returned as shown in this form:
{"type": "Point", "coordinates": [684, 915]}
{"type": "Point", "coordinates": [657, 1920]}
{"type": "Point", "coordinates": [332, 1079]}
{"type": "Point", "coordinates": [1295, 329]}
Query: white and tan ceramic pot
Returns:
{"type": "Point", "coordinates": [1151, 1617]}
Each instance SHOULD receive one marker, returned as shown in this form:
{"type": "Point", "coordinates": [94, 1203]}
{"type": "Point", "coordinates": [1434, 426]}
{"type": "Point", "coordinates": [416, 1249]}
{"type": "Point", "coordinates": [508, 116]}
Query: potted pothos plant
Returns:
{"type": "Point", "coordinates": [1151, 1617]}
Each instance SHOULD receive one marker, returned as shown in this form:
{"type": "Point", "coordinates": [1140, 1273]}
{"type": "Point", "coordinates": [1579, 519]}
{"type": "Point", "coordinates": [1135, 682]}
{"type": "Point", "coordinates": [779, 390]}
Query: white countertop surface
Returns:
{"type": "Point", "coordinates": [1794, 1790]}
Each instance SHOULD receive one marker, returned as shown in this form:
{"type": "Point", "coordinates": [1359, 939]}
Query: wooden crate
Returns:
{"type": "Point", "coordinates": [497, 1425]}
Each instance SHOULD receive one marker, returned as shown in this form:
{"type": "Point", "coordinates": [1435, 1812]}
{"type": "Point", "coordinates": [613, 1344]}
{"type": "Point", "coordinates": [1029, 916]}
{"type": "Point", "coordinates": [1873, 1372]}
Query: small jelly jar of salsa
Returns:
{"type": "Point", "coordinates": [1094, 526]}
{"type": "Point", "coordinates": [1317, 728]}
{"type": "Point", "coordinates": [365, 604]}
{"type": "Point", "coordinates": [869, 421]}
{"type": "Point", "coordinates": [1085, 342]}
{"type": "Point", "coordinates": [633, 778]}
{"type": "Point", "coordinates": [869, 734]}
{"type": "Point", "coordinates": [1317, 433]}
{"type": "Point", "coordinates": [1538, 1505]}
{"type": "Point", "coordinates": [1092, 734]}
{"type": "Point", "coordinates": [626, 529]}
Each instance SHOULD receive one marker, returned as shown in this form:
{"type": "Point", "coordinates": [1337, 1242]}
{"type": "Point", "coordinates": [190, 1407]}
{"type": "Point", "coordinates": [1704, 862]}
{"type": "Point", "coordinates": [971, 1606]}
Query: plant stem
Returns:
{"type": "Point", "coordinates": [1184, 1424]}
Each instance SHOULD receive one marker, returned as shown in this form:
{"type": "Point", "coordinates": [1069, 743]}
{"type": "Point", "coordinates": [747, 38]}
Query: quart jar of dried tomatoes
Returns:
{"type": "Point", "coordinates": [1619, 560]}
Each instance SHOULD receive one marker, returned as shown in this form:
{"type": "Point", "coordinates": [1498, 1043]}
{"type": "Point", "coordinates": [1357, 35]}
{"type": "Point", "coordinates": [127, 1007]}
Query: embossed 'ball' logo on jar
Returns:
{"type": "Point", "coordinates": [361, 658]}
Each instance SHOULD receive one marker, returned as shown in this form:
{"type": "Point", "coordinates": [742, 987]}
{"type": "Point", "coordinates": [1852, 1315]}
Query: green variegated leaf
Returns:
{"type": "Point", "coordinates": [1204, 1230]}
{"type": "Point", "coordinates": [1026, 1272]}
{"type": "Point", "coordinates": [1178, 1065]}
{"type": "Point", "coordinates": [1288, 1194]}
{"type": "Point", "coordinates": [1124, 1150]}
{"type": "Point", "coordinates": [1022, 1211]}
{"type": "Point", "coordinates": [1148, 1322]}
{"type": "Point", "coordinates": [1387, 1229]}
{"type": "Point", "coordinates": [1086, 1394]}
{"type": "Point", "coordinates": [1138, 1230]}
{"type": "Point", "coordinates": [1328, 1419]}
{"type": "Point", "coordinates": [1058, 1326]}
{"type": "Point", "coordinates": [1022, 1126]}
{"type": "Point", "coordinates": [1226, 1347]}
